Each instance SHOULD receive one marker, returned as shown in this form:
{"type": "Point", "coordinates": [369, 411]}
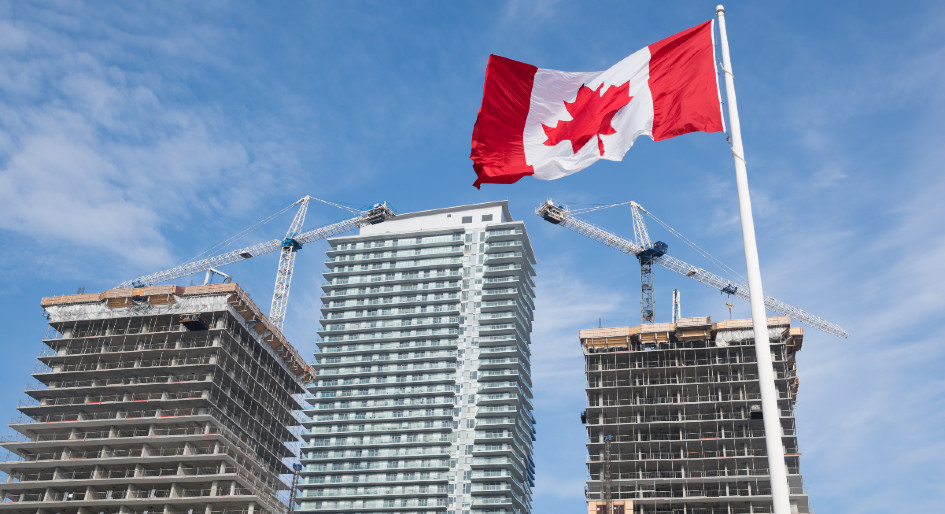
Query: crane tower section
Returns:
{"type": "Point", "coordinates": [288, 246]}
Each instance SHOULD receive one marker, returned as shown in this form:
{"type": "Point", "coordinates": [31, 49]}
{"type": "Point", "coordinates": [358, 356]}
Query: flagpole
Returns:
{"type": "Point", "coordinates": [769, 393]}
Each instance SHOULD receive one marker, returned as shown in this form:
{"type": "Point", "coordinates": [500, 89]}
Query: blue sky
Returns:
{"type": "Point", "coordinates": [135, 135]}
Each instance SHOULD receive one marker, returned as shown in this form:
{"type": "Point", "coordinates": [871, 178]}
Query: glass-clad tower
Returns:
{"type": "Point", "coordinates": [422, 402]}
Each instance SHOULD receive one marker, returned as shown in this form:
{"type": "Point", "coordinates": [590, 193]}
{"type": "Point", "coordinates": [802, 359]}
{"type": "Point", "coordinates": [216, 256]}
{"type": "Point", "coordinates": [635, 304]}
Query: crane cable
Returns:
{"type": "Point", "coordinates": [704, 253]}
{"type": "Point", "coordinates": [352, 210]}
{"type": "Point", "coordinates": [694, 246]}
{"type": "Point", "coordinates": [598, 208]}
{"type": "Point", "coordinates": [245, 232]}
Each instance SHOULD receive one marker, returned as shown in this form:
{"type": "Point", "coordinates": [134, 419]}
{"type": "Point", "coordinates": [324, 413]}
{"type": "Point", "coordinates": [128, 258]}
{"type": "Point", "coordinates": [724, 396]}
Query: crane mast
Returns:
{"type": "Point", "coordinates": [290, 245]}
{"type": "Point", "coordinates": [296, 472]}
{"type": "Point", "coordinates": [607, 484]}
{"type": "Point", "coordinates": [560, 215]}
{"type": "Point", "coordinates": [646, 257]}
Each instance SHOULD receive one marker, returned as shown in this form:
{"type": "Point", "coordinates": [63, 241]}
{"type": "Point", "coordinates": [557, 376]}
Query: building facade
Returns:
{"type": "Point", "coordinates": [156, 400]}
{"type": "Point", "coordinates": [679, 409]}
{"type": "Point", "coordinates": [423, 399]}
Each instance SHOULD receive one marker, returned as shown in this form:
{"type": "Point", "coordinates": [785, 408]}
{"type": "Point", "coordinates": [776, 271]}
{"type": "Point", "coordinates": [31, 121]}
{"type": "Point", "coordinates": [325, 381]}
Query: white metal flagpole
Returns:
{"type": "Point", "coordinates": [769, 393]}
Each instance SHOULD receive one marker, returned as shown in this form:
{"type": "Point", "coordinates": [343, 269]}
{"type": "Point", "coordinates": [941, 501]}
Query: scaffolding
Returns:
{"type": "Point", "coordinates": [672, 418]}
{"type": "Point", "coordinates": [163, 399]}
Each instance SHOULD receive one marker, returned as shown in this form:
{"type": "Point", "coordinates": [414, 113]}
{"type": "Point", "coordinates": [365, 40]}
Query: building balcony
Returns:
{"type": "Point", "coordinates": [356, 250]}
{"type": "Point", "coordinates": [397, 300]}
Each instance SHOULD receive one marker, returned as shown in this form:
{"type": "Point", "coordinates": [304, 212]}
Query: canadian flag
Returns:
{"type": "Point", "coordinates": [551, 123]}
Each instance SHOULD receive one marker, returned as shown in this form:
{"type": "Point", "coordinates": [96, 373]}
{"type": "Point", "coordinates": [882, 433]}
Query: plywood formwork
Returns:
{"type": "Point", "coordinates": [619, 507]}
{"type": "Point", "coordinates": [168, 295]}
{"type": "Point", "coordinates": [685, 329]}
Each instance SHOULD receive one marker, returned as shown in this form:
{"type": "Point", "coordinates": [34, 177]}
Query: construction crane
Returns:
{"type": "Point", "coordinates": [608, 482]}
{"type": "Point", "coordinates": [296, 472]}
{"type": "Point", "coordinates": [289, 245]}
{"type": "Point", "coordinates": [649, 253]}
{"type": "Point", "coordinates": [559, 215]}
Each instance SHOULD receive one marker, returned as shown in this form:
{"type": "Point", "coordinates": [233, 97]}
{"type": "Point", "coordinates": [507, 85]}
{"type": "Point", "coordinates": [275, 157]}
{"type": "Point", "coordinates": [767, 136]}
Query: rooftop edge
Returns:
{"type": "Point", "coordinates": [164, 295]}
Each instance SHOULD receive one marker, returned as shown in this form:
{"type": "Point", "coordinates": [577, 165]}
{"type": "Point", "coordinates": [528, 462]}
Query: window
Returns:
{"type": "Point", "coordinates": [486, 217]}
{"type": "Point", "coordinates": [467, 219]}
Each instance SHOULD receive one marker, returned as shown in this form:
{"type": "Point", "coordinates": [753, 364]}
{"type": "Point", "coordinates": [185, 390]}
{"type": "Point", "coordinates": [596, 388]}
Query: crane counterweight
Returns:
{"type": "Point", "coordinates": [551, 212]}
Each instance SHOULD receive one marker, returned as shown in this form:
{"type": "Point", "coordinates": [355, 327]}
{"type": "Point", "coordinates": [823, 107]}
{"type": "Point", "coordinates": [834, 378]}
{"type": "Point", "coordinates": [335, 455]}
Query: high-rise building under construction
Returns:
{"type": "Point", "coordinates": [159, 399]}
{"type": "Point", "coordinates": [423, 399]}
{"type": "Point", "coordinates": [674, 421]}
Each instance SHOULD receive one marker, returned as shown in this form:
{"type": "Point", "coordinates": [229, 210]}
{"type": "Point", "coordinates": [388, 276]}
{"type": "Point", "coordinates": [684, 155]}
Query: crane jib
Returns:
{"type": "Point", "coordinates": [377, 214]}
{"type": "Point", "coordinates": [560, 215]}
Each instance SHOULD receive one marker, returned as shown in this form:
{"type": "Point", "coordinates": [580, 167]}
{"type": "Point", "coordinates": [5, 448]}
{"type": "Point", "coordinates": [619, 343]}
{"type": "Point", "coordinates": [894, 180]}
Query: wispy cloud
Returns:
{"type": "Point", "coordinates": [865, 249]}
{"type": "Point", "coordinates": [529, 12]}
{"type": "Point", "coordinates": [98, 150]}
{"type": "Point", "coordinates": [565, 304]}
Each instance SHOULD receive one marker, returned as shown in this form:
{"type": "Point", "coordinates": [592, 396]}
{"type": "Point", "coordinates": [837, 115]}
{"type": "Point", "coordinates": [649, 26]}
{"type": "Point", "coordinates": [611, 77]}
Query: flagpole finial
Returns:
{"type": "Point", "coordinates": [719, 9]}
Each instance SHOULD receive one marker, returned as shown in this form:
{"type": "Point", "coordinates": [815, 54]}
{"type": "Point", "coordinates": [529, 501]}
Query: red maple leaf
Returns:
{"type": "Point", "coordinates": [591, 115]}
